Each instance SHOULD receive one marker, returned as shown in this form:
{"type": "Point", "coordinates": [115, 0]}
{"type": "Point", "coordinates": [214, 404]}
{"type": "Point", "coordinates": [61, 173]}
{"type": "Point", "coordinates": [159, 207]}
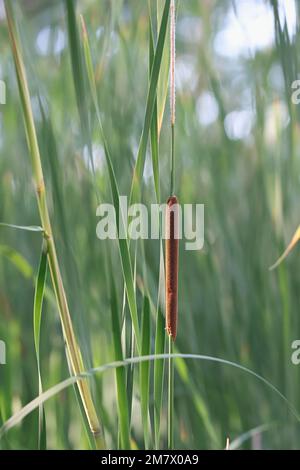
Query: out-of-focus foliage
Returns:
{"type": "Point", "coordinates": [237, 147]}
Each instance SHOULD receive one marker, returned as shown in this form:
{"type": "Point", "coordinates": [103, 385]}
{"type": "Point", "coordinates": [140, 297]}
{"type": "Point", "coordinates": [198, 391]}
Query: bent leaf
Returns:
{"type": "Point", "coordinates": [28, 228]}
{"type": "Point", "coordinates": [290, 247]}
{"type": "Point", "coordinates": [37, 315]}
{"type": "Point", "coordinates": [51, 392]}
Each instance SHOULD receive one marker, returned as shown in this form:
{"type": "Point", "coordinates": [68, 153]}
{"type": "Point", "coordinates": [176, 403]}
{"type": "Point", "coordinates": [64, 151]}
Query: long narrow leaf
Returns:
{"type": "Point", "coordinates": [36, 402]}
{"type": "Point", "coordinates": [37, 314]}
{"type": "Point", "coordinates": [120, 372]}
{"type": "Point", "coordinates": [78, 75]}
{"type": "Point", "coordinates": [154, 124]}
{"type": "Point", "coordinates": [145, 371]}
{"type": "Point", "coordinates": [28, 228]}
{"type": "Point", "coordinates": [287, 251]}
{"type": "Point", "coordinates": [158, 373]}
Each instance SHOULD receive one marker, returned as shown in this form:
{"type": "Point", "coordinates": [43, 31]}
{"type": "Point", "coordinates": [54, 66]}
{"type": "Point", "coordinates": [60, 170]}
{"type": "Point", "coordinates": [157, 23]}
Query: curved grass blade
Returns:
{"type": "Point", "coordinates": [37, 314]}
{"type": "Point", "coordinates": [236, 443]}
{"type": "Point", "coordinates": [288, 250]}
{"type": "Point", "coordinates": [31, 406]}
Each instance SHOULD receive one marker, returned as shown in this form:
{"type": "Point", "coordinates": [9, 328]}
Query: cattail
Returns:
{"type": "Point", "coordinates": [172, 222]}
{"type": "Point", "coordinates": [172, 246]}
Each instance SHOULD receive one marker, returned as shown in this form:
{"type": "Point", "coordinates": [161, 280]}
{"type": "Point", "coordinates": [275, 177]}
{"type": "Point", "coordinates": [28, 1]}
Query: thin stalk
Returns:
{"type": "Point", "coordinates": [73, 349]}
{"type": "Point", "coordinates": [170, 396]}
{"type": "Point", "coordinates": [171, 261]}
{"type": "Point", "coordinates": [172, 160]}
{"type": "Point", "coordinates": [171, 245]}
{"type": "Point", "coordinates": [172, 92]}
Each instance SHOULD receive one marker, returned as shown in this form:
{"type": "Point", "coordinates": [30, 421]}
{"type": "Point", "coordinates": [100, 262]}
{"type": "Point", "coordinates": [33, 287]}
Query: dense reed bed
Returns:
{"type": "Point", "coordinates": [86, 120]}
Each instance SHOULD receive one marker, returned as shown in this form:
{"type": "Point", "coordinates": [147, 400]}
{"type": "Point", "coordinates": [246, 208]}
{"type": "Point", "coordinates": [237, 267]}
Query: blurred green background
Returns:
{"type": "Point", "coordinates": [237, 147]}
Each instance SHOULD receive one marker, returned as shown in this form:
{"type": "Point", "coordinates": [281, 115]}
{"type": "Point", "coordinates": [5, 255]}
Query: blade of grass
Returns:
{"type": "Point", "coordinates": [145, 371]}
{"type": "Point", "coordinates": [120, 372]}
{"type": "Point", "coordinates": [37, 314]}
{"type": "Point", "coordinates": [158, 373]}
{"type": "Point", "coordinates": [171, 244]}
{"type": "Point", "coordinates": [36, 402]}
{"type": "Point", "coordinates": [130, 345]}
{"type": "Point", "coordinates": [78, 76]}
{"type": "Point", "coordinates": [287, 251]}
{"type": "Point", "coordinates": [154, 124]}
{"type": "Point", "coordinates": [67, 326]}
{"type": "Point", "coordinates": [238, 441]}
{"type": "Point", "coordinates": [28, 228]}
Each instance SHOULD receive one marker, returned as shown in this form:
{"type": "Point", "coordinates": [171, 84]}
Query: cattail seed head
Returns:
{"type": "Point", "coordinates": [172, 249]}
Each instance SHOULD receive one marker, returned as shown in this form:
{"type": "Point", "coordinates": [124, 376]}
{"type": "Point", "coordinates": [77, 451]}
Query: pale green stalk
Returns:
{"type": "Point", "coordinates": [170, 396]}
{"type": "Point", "coordinates": [172, 184]}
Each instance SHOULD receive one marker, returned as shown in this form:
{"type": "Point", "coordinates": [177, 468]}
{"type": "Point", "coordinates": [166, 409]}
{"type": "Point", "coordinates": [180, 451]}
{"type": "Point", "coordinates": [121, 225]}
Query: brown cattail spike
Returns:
{"type": "Point", "coordinates": [172, 248]}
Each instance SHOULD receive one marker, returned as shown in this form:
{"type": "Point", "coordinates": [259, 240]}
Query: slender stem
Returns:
{"type": "Point", "coordinates": [172, 160]}
{"type": "Point", "coordinates": [170, 397]}
{"type": "Point", "coordinates": [172, 189]}
{"type": "Point", "coordinates": [172, 92]}
{"type": "Point", "coordinates": [74, 353]}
